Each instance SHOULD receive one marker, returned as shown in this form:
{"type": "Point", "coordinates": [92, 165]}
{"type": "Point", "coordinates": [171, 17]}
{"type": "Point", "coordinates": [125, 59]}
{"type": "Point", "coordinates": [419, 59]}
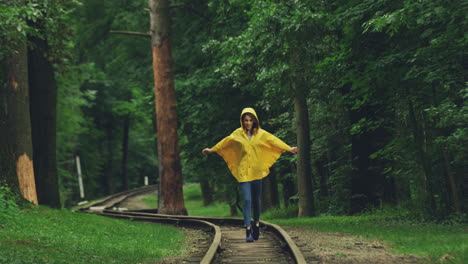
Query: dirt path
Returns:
{"type": "Point", "coordinates": [339, 248]}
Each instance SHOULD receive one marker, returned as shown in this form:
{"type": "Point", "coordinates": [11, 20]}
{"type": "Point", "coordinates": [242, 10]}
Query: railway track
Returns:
{"type": "Point", "coordinates": [115, 200]}
{"type": "Point", "coordinates": [227, 244]}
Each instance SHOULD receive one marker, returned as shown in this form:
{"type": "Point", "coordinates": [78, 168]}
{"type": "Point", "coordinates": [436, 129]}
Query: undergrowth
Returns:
{"type": "Point", "coordinates": [38, 234]}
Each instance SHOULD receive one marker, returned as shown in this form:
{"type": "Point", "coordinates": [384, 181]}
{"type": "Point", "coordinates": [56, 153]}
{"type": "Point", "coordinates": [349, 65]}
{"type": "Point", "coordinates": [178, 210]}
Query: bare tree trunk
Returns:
{"type": "Point", "coordinates": [402, 184]}
{"type": "Point", "coordinates": [233, 209]}
{"type": "Point", "coordinates": [171, 200]}
{"type": "Point", "coordinates": [43, 103]}
{"type": "Point", "coordinates": [270, 197]}
{"type": "Point", "coordinates": [109, 179]}
{"type": "Point", "coordinates": [451, 178]}
{"type": "Point", "coordinates": [425, 168]}
{"type": "Point", "coordinates": [322, 170]}
{"type": "Point", "coordinates": [274, 194]}
{"type": "Point", "coordinates": [304, 169]}
{"type": "Point", "coordinates": [266, 194]}
{"type": "Point", "coordinates": [207, 192]}
{"type": "Point", "coordinates": [288, 189]}
{"type": "Point", "coordinates": [126, 129]}
{"type": "Point", "coordinates": [16, 154]}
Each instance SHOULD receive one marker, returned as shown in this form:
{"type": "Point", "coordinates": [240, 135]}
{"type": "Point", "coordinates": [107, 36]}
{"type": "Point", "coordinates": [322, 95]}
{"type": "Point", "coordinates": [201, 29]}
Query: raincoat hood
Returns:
{"type": "Point", "coordinates": [251, 111]}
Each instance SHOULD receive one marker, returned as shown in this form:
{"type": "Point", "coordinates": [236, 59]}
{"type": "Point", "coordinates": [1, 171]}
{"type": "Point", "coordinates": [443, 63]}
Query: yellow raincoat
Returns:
{"type": "Point", "coordinates": [250, 160]}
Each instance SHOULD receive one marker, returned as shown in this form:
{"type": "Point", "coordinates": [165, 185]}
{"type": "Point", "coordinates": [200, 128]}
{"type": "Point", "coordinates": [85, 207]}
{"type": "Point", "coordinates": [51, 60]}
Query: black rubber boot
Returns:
{"type": "Point", "coordinates": [255, 231]}
{"type": "Point", "coordinates": [248, 235]}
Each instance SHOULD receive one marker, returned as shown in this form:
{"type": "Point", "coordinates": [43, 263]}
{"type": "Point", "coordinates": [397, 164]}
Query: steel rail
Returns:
{"type": "Point", "coordinates": [122, 195]}
{"type": "Point", "coordinates": [210, 254]}
{"type": "Point", "coordinates": [291, 245]}
{"type": "Point", "coordinates": [189, 221]}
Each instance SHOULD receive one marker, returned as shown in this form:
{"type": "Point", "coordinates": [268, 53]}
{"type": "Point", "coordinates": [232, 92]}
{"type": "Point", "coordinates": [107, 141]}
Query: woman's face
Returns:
{"type": "Point", "coordinates": [248, 122]}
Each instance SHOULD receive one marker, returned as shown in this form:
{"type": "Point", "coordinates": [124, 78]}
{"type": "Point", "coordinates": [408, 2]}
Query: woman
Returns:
{"type": "Point", "coordinates": [249, 153]}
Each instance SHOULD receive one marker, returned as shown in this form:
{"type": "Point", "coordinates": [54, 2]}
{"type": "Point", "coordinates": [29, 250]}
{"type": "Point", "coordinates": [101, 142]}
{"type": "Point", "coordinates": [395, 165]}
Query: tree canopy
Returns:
{"type": "Point", "coordinates": [384, 83]}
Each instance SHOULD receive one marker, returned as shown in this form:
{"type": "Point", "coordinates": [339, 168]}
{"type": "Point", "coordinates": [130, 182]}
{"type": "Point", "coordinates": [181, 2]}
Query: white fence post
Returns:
{"type": "Point", "coordinates": [80, 179]}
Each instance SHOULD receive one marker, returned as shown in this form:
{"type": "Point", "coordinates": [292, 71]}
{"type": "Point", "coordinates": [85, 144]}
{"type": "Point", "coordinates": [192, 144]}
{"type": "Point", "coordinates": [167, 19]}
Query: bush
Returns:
{"type": "Point", "coordinates": [8, 203]}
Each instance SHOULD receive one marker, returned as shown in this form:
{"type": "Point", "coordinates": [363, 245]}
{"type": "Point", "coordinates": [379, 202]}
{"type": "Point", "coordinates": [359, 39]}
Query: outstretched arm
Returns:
{"type": "Point", "coordinates": [207, 151]}
{"type": "Point", "coordinates": [279, 144]}
{"type": "Point", "coordinates": [294, 150]}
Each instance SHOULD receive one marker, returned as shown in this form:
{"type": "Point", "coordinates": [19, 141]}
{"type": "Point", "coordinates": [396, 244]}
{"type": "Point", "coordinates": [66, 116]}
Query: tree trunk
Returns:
{"type": "Point", "coordinates": [361, 179]}
{"type": "Point", "coordinates": [304, 169]}
{"type": "Point", "coordinates": [402, 184]}
{"type": "Point", "coordinates": [16, 163]}
{"type": "Point", "coordinates": [402, 189]}
{"type": "Point", "coordinates": [126, 129]}
{"type": "Point", "coordinates": [288, 189]}
{"type": "Point", "coordinates": [274, 195]}
{"type": "Point", "coordinates": [452, 180]}
{"type": "Point", "coordinates": [322, 169]}
{"type": "Point", "coordinates": [109, 179]}
{"type": "Point", "coordinates": [270, 195]}
{"type": "Point", "coordinates": [266, 194]}
{"type": "Point", "coordinates": [43, 102]}
{"type": "Point", "coordinates": [428, 198]}
{"type": "Point", "coordinates": [207, 192]}
{"type": "Point", "coordinates": [233, 209]}
{"type": "Point", "coordinates": [171, 200]}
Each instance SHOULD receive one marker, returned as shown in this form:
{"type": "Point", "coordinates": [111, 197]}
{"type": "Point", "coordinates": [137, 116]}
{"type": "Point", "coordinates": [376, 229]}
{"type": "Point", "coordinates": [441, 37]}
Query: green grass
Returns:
{"type": "Point", "coordinates": [151, 201]}
{"type": "Point", "coordinates": [194, 203]}
{"type": "Point", "coordinates": [43, 235]}
{"type": "Point", "coordinates": [424, 239]}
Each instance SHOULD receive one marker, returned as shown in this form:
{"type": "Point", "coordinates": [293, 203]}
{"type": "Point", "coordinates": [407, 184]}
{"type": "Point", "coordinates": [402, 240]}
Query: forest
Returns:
{"type": "Point", "coordinates": [372, 92]}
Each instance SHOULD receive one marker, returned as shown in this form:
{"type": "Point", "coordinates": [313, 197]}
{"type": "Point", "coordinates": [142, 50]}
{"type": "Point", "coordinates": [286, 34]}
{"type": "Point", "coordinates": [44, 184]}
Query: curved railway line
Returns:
{"type": "Point", "coordinates": [227, 244]}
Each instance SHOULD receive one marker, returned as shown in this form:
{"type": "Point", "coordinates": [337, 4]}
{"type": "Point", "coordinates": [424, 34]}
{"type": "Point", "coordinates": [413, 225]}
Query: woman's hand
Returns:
{"type": "Point", "coordinates": [207, 151]}
{"type": "Point", "coordinates": [294, 150]}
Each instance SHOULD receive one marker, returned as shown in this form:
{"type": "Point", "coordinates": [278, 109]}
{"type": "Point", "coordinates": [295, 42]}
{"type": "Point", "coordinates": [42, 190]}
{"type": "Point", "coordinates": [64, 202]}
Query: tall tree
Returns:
{"type": "Point", "coordinates": [124, 163]}
{"type": "Point", "coordinates": [304, 168]}
{"type": "Point", "coordinates": [43, 103]}
{"type": "Point", "coordinates": [171, 199]}
{"type": "Point", "coordinates": [16, 153]}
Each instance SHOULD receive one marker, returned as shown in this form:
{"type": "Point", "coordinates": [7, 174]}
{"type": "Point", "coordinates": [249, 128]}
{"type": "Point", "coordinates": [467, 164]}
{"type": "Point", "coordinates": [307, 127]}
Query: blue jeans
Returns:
{"type": "Point", "coordinates": [252, 195]}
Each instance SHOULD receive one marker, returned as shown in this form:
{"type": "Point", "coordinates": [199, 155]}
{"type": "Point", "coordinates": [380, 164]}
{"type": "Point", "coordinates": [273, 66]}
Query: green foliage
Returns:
{"type": "Point", "coordinates": [8, 204]}
{"type": "Point", "coordinates": [452, 119]}
{"type": "Point", "coordinates": [14, 28]}
{"type": "Point", "coordinates": [73, 124]}
{"type": "Point", "coordinates": [43, 235]}
{"type": "Point", "coordinates": [394, 75]}
{"type": "Point", "coordinates": [107, 79]}
{"type": "Point", "coordinates": [384, 81]}
{"type": "Point", "coordinates": [18, 19]}
{"type": "Point", "coordinates": [381, 77]}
